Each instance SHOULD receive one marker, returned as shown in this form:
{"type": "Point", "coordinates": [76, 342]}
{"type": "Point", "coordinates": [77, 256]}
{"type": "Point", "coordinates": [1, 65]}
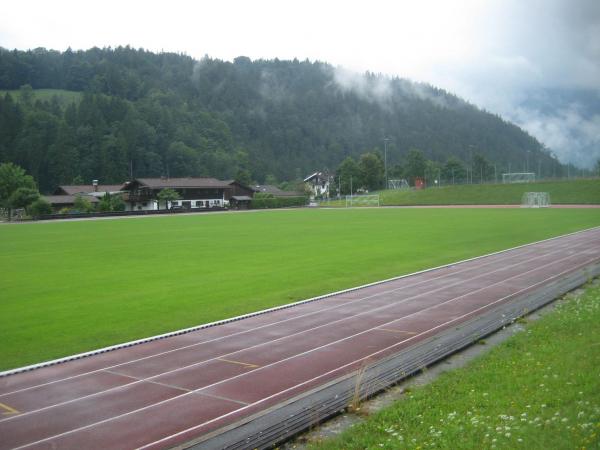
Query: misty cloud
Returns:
{"type": "Point", "coordinates": [383, 89]}
{"type": "Point", "coordinates": [572, 136]}
{"type": "Point", "coordinates": [373, 88]}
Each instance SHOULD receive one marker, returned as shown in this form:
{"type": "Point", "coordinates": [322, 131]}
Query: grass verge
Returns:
{"type": "Point", "coordinates": [69, 287]}
{"type": "Point", "coordinates": [538, 390]}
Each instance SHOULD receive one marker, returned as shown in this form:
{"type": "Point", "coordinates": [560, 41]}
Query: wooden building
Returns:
{"type": "Point", "coordinates": [142, 193]}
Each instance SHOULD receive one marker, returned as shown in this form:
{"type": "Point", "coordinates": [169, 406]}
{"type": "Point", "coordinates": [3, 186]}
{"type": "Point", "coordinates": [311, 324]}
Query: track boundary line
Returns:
{"type": "Point", "coordinates": [198, 391]}
{"type": "Point", "coordinates": [264, 311]}
{"type": "Point", "coordinates": [221, 357]}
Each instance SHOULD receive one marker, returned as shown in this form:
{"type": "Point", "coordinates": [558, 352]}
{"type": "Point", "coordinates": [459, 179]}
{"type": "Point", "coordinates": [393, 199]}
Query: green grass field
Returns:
{"type": "Point", "coordinates": [64, 97]}
{"type": "Point", "coordinates": [69, 287]}
{"type": "Point", "coordinates": [538, 390]}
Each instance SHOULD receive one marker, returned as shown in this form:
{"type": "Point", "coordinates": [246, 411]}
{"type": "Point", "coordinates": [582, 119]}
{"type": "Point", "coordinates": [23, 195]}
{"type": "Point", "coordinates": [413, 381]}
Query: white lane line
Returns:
{"type": "Point", "coordinates": [389, 305]}
{"type": "Point", "coordinates": [239, 333]}
{"type": "Point", "coordinates": [337, 369]}
{"type": "Point", "coordinates": [218, 397]}
{"type": "Point", "coordinates": [541, 244]}
{"type": "Point", "coordinates": [318, 348]}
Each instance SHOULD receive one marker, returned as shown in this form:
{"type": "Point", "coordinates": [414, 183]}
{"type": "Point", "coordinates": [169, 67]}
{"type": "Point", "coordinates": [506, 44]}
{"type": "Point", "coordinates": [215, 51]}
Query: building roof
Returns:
{"type": "Point", "coordinates": [270, 189]}
{"type": "Point", "coordinates": [86, 189]}
{"type": "Point", "coordinates": [241, 197]}
{"type": "Point", "coordinates": [57, 200]}
{"type": "Point", "coordinates": [175, 183]}
{"type": "Point", "coordinates": [310, 177]}
{"type": "Point", "coordinates": [230, 182]}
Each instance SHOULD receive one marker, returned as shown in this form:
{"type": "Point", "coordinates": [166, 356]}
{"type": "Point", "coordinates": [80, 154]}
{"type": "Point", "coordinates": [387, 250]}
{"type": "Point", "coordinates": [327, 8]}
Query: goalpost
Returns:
{"type": "Point", "coordinates": [518, 177]}
{"type": "Point", "coordinates": [535, 200]}
{"type": "Point", "coordinates": [362, 200]}
{"type": "Point", "coordinates": [398, 184]}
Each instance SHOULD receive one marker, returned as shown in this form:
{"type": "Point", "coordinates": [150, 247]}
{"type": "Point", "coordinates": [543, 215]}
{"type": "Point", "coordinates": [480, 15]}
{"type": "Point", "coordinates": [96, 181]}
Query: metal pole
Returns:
{"type": "Point", "coordinates": [385, 141]}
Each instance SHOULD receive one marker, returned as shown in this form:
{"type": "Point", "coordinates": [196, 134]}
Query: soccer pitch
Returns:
{"type": "Point", "coordinates": [69, 287]}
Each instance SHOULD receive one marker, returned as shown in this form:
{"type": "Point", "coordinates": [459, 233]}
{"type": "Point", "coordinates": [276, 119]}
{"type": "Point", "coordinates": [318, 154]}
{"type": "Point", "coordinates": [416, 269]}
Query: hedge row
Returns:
{"type": "Point", "coordinates": [277, 202]}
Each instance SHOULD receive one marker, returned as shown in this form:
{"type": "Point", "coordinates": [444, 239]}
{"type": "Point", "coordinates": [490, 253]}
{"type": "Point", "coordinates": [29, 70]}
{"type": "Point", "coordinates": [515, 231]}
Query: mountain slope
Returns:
{"type": "Point", "coordinates": [146, 114]}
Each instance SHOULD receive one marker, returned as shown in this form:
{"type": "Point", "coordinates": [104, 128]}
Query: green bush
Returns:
{"type": "Point", "coordinates": [39, 207]}
{"type": "Point", "coordinates": [104, 205]}
{"type": "Point", "coordinates": [117, 203]}
{"type": "Point", "coordinates": [82, 205]}
{"type": "Point", "coordinates": [263, 195]}
{"type": "Point", "coordinates": [110, 203]}
{"type": "Point", "coordinates": [277, 202]}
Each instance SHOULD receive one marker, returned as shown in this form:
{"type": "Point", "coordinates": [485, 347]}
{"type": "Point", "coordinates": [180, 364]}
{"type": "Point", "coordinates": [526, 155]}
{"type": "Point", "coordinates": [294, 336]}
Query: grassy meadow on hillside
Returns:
{"type": "Point", "coordinates": [69, 287]}
{"type": "Point", "coordinates": [45, 95]}
{"type": "Point", "coordinates": [585, 191]}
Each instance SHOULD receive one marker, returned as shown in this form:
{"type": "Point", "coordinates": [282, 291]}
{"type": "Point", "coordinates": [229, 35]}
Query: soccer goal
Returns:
{"type": "Point", "coordinates": [362, 200]}
{"type": "Point", "coordinates": [535, 200]}
{"type": "Point", "coordinates": [521, 177]}
{"type": "Point", "coordinates": [398, 184]}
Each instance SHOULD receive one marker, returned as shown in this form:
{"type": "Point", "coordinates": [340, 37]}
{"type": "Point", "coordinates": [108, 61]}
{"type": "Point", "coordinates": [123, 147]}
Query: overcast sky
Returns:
{"type": "Point", "coordinates": [493, 53]}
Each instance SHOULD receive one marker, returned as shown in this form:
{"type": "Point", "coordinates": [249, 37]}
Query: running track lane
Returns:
{"type": "Point", "coordinates": [166, 392]}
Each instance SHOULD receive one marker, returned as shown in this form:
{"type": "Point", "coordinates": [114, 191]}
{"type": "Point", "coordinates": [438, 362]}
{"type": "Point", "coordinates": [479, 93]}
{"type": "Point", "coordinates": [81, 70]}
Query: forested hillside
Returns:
{"type": "Point", "coordinates": [145, 114]}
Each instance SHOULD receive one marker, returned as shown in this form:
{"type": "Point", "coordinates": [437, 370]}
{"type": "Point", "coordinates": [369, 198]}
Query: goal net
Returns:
{"type": "Point", "coordinates": [535, 200]}
{"type": "Point", "coordinates": [362, 200]}
{"type": "Point", "coordinates": [521, 177]}
{"type": "Point", "coordinates": [398, 184]}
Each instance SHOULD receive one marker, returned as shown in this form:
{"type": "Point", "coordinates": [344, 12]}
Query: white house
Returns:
{"type": "Point", "coordinates": [318, 183]}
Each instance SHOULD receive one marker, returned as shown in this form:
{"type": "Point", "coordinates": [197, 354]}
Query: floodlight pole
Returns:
{"type": "Point", "coordinates": [385, 141]}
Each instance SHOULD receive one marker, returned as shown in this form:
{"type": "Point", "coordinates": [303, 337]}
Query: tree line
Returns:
{"type": "Point", "coordinates": [142, 114]}
{"type": "Point", "coordinates": [368, 172]}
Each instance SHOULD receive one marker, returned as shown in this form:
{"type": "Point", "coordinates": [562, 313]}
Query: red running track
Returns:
{"type": "Point", "coordinates": [169, 391]}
